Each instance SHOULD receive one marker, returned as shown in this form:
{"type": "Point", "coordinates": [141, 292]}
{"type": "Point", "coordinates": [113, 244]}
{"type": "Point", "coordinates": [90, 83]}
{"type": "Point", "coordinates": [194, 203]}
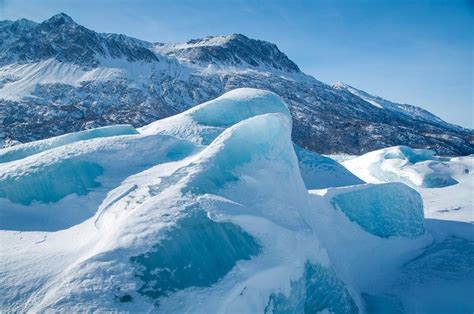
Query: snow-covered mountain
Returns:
{"type": "Point", "coordinates": [58, 77]}
{"type": "Point", "coordinates": [405, 109]}
{"type": "Point", "coordinates": [214, 210]}
{"type": "Point", "coordinates": [234, 50]}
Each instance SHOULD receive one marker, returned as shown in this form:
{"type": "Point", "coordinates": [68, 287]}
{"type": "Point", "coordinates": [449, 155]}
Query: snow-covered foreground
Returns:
{"type": "Point", "coordinates": [216, 210]}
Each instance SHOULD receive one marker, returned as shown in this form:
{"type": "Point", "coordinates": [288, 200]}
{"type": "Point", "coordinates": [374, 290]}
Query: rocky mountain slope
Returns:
{"type": "Point", "coordinates": [58, 77]}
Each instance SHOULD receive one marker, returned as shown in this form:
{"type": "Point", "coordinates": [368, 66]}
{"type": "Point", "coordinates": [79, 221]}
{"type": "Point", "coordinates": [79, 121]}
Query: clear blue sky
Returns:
{"type": "Point", "coordinates": [418, 52]}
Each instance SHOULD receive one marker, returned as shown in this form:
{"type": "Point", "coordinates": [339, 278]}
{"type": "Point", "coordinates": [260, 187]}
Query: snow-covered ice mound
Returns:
{"type": "Point", "coordinates": [320, 172]}
{"type": "Point", "coordinates": [42, 191]}
{"type": "Point", "coordinates": [203, 212]}
{"type": "Point", "coordinates": [415, 167]}
{"type": "Point", "coordinates": [454, 202]}
{"type": "Point", "coordinates": [445, 184]}
{"type": "Point", "coordinates": [202, 123]}
{"type": "Point", "coordinates": [25, 150]}
{"type": "Point", "coordinates": [385, 210]}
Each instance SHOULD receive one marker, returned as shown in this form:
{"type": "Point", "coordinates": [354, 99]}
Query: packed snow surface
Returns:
{"type": "Point", "coordinates": [216, 210]}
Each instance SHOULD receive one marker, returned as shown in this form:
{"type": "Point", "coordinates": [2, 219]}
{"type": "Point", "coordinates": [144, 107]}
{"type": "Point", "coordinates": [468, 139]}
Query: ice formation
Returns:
{"type": "Point", "coordinates": [445, 183]}
{"type": "Point", "coordinates": [320, 172]}
{"type": "Point", "coordinates": [385, 210]}
{"type": "Point", "coordinates": [25, 150]}
{"type": "Point", "coordinates": [415, 167]}
{"type": "Point", "coordinates": [51, 179]}
{"type": "Point", "coordinates": [209, 211]}
{"type": "Point", "coordinates": [201, 124]}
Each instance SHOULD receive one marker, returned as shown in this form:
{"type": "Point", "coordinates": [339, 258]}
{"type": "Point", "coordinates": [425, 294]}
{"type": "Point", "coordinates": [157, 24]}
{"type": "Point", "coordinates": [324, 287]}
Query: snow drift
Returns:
{"type": "Point", "coordinates": [415, 167]}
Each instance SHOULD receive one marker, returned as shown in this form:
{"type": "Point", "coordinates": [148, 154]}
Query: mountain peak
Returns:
{"type": "Point", "coordinates": [233, 50]}
{"type": "Point", "coordinates": [18, 26]}
{"type": "Point", "coordinates": [340, 85]}
{"type": "Point", "coordinates": [25, 22]}
{"type": "Point", "coordinates": [60, 19]}
{"type": "Point", "coordinates": [217, 40]}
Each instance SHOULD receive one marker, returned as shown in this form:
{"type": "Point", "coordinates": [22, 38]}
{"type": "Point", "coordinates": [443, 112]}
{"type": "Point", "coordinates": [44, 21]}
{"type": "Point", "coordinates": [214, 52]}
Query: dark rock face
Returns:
{"type": "Point", "coordinates": [151, 82]}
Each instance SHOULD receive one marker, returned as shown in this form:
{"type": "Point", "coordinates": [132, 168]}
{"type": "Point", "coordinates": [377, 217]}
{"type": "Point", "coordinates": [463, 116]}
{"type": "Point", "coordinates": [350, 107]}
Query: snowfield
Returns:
{"type": "Point", "coordinates": [217, 210]}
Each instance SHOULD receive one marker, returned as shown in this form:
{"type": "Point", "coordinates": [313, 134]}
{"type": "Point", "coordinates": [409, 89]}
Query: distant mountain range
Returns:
{"type": "Point", "coordinates": [58, 77]}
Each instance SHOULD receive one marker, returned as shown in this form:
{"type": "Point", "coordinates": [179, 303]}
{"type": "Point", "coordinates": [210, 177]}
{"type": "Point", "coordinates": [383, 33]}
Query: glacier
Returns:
{"type": "Point", "coordinates": [217, 210]}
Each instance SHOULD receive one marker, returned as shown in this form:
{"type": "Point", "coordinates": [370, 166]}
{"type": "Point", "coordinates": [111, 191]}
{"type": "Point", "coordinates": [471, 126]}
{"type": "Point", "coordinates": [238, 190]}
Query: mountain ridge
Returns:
{"type": "Point", "coordinates": [66, 78]}
{"type": "Point", "coordinates": [390, 105]}
{"type": "Point", "coordinates": [234, 49]}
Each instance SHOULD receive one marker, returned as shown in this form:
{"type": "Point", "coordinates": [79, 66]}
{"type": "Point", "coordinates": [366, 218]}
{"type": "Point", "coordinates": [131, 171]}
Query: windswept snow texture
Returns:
{"type": "Point", "coordinates": [385, 210]}
{"type": "Point", "coordinates": [443, 271]}
{"type": "Point", "coordinates": [208, 212]}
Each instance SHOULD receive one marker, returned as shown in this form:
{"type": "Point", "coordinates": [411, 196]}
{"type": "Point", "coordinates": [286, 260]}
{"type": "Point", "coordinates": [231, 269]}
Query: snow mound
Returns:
{"type": "Point", "coordinates": [455, 201]}
{"type": "Point", "coordinates": [415, 167]}
{"type": "Point", "coordinates": [385, 210]}
{"type": "Point", "coordinates": [321, 172]}
{"type": "Point", "coordinates": [203, 123]}
{"type": "Point", "coordinates": [28, 149]}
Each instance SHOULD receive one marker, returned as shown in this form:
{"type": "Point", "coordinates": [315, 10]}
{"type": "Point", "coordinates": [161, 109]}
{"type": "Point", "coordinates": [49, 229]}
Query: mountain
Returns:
{"type": "Point", "coordinates": [64, 40]}
{"type": "Point", "coordinates": [58, 77]}
{"type": "Point", "coordinates": [233, 50]}
{"type": "Point", "coordinates": [405, 109]}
